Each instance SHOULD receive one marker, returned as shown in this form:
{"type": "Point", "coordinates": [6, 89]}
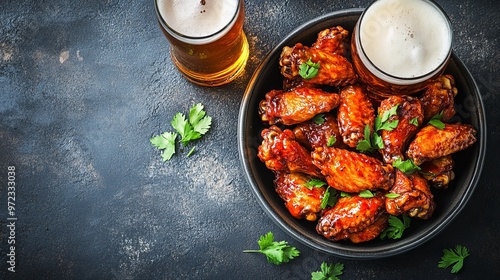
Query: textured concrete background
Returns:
{"type": "Point", "coordinates": [85, 84]}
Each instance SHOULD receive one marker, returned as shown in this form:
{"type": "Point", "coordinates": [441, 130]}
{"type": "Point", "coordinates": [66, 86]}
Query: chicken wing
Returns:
{"type": "Point", "coordinates": [439, 97]}
{"type": "Point", "coordinates": [409, 115]}
{"type": "Point", "coordinates": [438, 172]}
{"type": "Point", "coordinates": [354, 113]}
{"type": "Point", "coordinates": [415, 198]}
{"type": "Point", "coordinates": [431, 142]}
{"type": "Point", "coordinates": [281, 152]}
{"type": "Point", "coordinates": [296, 106]}
{"type": "Point", "coordinates": [352, 172]}
{"type": "Point", "coordinates": [355, 218]}
{"type": "Point", "coordinates": [334, 69]}
{"type": "Point", "coordinates": [300, 201]}
{"type": "Point", "coordinates": [333, 40]}
{"type": "Point", "coordinates": [313, 135]}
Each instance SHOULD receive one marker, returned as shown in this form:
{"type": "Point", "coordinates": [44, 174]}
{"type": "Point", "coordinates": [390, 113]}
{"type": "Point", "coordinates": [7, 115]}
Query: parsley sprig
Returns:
{"type": "Point", "coordinates": [309, 69]}
{"type": "Point", "coordinates": [197, 124]}
{"type": "Point", "coordinates": [276, 252]}
{"type": "Point", "coordinates": [373, 142]}
{"type": "Point", "coordinates": [454, 257]}
{"type": "Point", "coordinates": [396, 227]}
{"type": "Point", "coordinates": [328, 272]}
{"type": "Point", "coordinates": [406, 166]}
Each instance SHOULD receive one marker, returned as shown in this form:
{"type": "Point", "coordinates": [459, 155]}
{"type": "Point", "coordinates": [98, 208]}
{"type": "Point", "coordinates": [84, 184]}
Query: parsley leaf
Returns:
{"type": "Point", "coordinates": [406, 166]}
{"type": "Point", "coordinates": [275, 252]}
{"type": "Point", "coordinates": [436, 121]}
{"type": "Point", "coordinates": [165, 142]}
{"type": "Point", "coordinates": [314, 183]}
{"type": "Point", "coordinates": [331, 140]}
{"type": "Point", "coordinates": [414, 121]}
{"type": "Point", "coordinates": [328, 272]}
{"type": "Point", "coordinates": [392, 195]}
{"type": "Point", "coordinates": [454, 257]}
{"type": "Point", "coordinates": [365, 145]}
{"type": "Point", "coordinates": [396, 227]}
{"type": "Point", "coordinates": [319, 119]}
{"type": "Point", "coordinates": [366, 194]}
{"type": "Point", "coordinates": [329, 198]}
{"type": "Point", "coordinates": [309, 69]}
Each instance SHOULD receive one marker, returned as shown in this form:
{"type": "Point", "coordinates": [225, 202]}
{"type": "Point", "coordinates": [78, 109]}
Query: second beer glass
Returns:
{"type": "Point", "coordinates": [207, 42]}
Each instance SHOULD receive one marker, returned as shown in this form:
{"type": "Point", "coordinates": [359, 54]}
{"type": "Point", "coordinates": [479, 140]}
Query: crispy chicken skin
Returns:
{"type": "Point", "coordinates": [396, 140]}
{"type": "Point", "coordinates": [355, 218]}
{"type": "Point", "coordinates": [281, 152]}
{"type": "Point", "coordinates": [354, 113]}
{"type": "Point", "coordinates": [296, 106]}
{"type": "Point", "coordinates": [313, 135]}
{"type": "Point", "coordinates": [334, 69]}
{"type": "Point", "coordinates": [301, 202]}
{"type": "Point", "coordinates": [333, 40]}
{"type": "Point", "coordinates": [431, 142]}
{"type": "Point", "coordinates": [415, 198]}
{"type": "Point", "coordinates": [439, 96]}
{"type": "Point", "coordinates": [352, 172]}
{"type": "Point", "coordinates": [438, 172]}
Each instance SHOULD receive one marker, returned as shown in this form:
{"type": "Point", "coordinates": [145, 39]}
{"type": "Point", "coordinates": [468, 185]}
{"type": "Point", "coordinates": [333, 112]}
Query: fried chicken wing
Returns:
{"type": "Point", "coordinates": [355, 218]}
{"type": "Point", "coordinates": [296, 106]}
{"type": "Point", "coordinates": [313, 135]}
{"type": "Point", "coordinates": [333, 40]}
{"type": "Point", "coordinates": [301, 202]}
{"type": "Point", "coordinates": [415, 198]}
{"type": "Point", "coordinates": [281, 152]}
{"type": "Point", "coordinates": [431, 142]}
{"type": "Point", "coordinates": [438, 172]}
{"type": "Point", "coordinates": [439, 97]}
{"type": "Point", "coordinates": [334, 69]}
{"type": "Point", "coordinates": [409, 115]}
{"type": "Point", "coordinates": [354, 113]}
{"type": "Point", "coordinates": [352, 172]}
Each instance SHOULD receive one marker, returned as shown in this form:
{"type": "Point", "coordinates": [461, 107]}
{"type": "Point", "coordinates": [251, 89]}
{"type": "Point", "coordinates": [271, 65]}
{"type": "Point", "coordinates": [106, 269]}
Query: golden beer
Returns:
{"type": "Point", "coordinates": [399, 46]}
{"type": "Point", "coordinates": [207, 42]}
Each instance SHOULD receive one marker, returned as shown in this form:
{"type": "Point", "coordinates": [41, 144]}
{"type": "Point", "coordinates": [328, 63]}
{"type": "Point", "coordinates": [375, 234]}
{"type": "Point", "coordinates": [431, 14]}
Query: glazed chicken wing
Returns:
{"type": "Point", "coordinates": [409, 116]}
{"type": "Point", "coordinates": [355, 218]}
{"type": "Point", "coordinates": [431, 142]}
{"type": "Point", "coordinates": [438, 172]}
{"type": "Point", "coordinates": [415, 198]}
{"type": "Point", "coordinates": [313, 135]}
{"type": "Point", "coordinates": [296, 106]}
{"type": "Point", "coordinates": [334, 69]}
{"type": "Point", "coordinates": [281, 152]}
{"type": "Point", "coordinates": [439, 97]}
{"type": "Point", "coordinates": [300, 201]}
{"type": "Point", "coordinates": [333, 40]}
{"type": "Point", "coordinates": [352, 172]}
{"type": "Point", "coordinates": [354, 113]}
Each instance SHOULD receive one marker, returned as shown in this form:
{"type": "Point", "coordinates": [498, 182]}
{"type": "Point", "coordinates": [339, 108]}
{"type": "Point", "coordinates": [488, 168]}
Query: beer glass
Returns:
{"type": "Point", "coordinates": [400, 46]}
{"type": "Point", "coordinates": [207, 42]}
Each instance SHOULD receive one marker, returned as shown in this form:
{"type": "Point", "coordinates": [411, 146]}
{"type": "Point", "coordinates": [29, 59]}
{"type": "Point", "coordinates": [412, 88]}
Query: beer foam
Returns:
{"type": "Point", "coordinates": [405, 38]}
{"type": "Point", "coordinates": [191, 18]}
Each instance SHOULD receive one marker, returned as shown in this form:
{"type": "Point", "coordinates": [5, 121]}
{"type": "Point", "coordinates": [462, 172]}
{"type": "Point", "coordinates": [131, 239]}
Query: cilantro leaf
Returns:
{"type": "Point", "coordinates": [329, 198]}
{"type": "Point", "coordinates": [365, 145]}
{"type": "Point", "coordinates": [389, 126]}
{"type": "Point", "coordinates": [396, 227]}
{"type": "Point", "coordinates": [314, 183]}
{"type": "Point", "coordinates": [319, 119]}
{"type": "Point", "coordinates": [165, 142]}
{"type": "Point", "coordinates": [436, 121]}
{"type": "Point", "coordinates": [366, 194]}
{"type": "Point", "coordinates": [309, 69]}
{"type": "Point", "coordinates": [454, 257]}
{"type": "Point", "coordinates": [406, 166]}
{"type": "Point", "coordinates": [199, 120]}
{"type": "Point", "coordinates": [331, 140]}
{"type": "Point", "coordinates": [328, 272]}
{"type": "Point", "coordinates": [275, 252]}
{"type": "Point", "coordinates": [414, 121]}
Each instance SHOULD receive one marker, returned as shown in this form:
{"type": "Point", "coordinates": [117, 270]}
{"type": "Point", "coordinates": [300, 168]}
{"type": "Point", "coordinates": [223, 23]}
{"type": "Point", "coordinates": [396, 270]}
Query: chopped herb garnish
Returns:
{"type": "Point", "coordinates": [436, 121]}
{"type": "Point", "coordinates": [406, 166]}
{"type": "Point", "coordinates": [309, 69]}
{"type": "Point", "coordinates": [396, 227]}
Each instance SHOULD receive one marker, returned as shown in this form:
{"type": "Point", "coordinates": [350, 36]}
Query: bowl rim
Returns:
{"type": "Point", "coordinates": [325, 245]}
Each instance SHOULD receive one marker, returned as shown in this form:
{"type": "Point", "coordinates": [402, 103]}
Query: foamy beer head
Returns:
{"type": "Point", "coordinates": [403, 42]}
{"type": "Point", "coordinates": [207, 43]}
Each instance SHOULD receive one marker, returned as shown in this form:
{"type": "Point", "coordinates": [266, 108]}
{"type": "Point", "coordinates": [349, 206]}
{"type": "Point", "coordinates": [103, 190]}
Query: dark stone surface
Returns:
{"type": "Point", "coordinates": [84, 84]}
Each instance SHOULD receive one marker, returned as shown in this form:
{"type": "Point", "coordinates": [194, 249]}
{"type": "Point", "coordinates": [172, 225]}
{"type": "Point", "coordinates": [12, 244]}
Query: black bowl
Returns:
{"type": "Point", "coordinates": [449, 202]}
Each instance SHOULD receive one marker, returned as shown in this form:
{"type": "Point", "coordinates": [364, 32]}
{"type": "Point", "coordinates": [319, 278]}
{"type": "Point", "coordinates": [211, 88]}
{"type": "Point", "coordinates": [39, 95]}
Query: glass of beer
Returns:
{"type": "Point", "coordinates": [399, 46]}
{"type": "Point", "coordinates": [207, 42]}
